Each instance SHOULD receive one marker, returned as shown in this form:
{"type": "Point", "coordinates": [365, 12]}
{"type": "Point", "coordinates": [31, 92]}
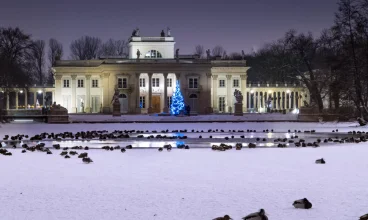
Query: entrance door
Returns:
{"type": "Point", "coordinates": [193, 103]}
{"type": "Point", "coordinates": [123, 99]}
{"type": "Point", "coordinates": [222, 104]}
{"type": "Point", "coordinates": [81, 103]}
{"type": "Point", "coordinates": [156, 104]}
{"type": "Point", "coordinates": [95, 104]}
{"type": "Point", "coordinates": [67, 102]}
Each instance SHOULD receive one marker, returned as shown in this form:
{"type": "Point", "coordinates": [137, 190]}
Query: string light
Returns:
{"type": "Point", "coordinates": [177, 103]}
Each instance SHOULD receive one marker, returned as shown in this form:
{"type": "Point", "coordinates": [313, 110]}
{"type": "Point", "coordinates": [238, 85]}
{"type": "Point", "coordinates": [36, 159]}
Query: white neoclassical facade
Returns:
{"type": "Point", "coordinates": [146, 84]}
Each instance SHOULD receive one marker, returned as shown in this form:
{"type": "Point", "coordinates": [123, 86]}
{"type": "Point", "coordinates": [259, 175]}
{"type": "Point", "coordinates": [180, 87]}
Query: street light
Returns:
{"type": "Point", "coordinates": [21, 91]}
{"type": "Point", "coordinates": [287, 91]}
{"type": "Point", "coordinates": [39, 91]}
{"type": "Point", "coordinates": [252, 91]}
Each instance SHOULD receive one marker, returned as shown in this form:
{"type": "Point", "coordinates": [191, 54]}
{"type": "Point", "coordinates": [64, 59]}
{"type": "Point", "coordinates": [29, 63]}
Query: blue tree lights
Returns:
{"type": "Point", "coordinates": [177, 103]}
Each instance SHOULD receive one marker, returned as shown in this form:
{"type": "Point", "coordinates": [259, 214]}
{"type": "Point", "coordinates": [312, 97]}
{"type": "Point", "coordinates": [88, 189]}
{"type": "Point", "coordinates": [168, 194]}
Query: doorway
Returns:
{"type": "Point", "coordinates": [123, 99]}
{"type": "Point", "coordinates": [156, 104]}
{"type": "Point", "coordinates": [193, 103]}
{"type": "Point", "coordinates": [95, 104]}
{"type": "Point", "coordinates": [81, 103]}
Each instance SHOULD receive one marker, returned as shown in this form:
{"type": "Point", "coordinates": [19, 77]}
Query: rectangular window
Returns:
{"type": "Point", "coordinates": [221, 83]}
{"type": "Point", "coordinates": [155, 82]}
{"type": "Point", "coordinates": [169, 100]}
{"type": "Point", "coordinates": [142, 82]}
{"type": "Point", "coordinates": [80, 83]}
{"type": "Point", "coordinates": [169, 82]}
{"type": "Point", "coordinates": [193, 83]}
{"type": "Point", "coordinates": [222, 104]}
{"type": "Point", "coordinates": [66, 83]}
{"type": "Point", "coordinates": [125, 83]}
{"type": "Point", "coordinates": [142, 101]}
{"type": "Point", "coordinates": [236, 83]}
{"type": "Point", "coordinates": [94, 83]}
{"type": "Point", "coordinates": [120, 83]}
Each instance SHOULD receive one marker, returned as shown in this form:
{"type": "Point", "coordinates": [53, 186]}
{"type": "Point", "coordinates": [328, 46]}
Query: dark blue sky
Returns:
{"type": "Point", "coordinates": [234, 24]}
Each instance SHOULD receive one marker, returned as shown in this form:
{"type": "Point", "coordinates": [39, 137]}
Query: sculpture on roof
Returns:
{"type": "Point", "coordinates": [177, 53]}
{"type": "Point", "coordinates": [168, 32]}
{"type": "Point", "coordinates": [243, 54]}
{"type": "Point", "coordinates": [135, 32]}
{"type": "Point", "coordinates": [138, 54]}
{"type": "Point", "coordinates": [162, 33]}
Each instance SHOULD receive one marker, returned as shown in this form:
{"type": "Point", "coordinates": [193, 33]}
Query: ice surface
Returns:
{"type": "Point", "coordinates": [185, 184]}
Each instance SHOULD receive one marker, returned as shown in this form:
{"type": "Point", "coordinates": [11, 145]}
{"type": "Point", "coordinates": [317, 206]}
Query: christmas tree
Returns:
{"type": "Point", "coordinates": [177, 103]}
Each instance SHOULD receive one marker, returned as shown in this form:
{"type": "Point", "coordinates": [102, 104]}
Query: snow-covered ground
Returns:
{"type": "Point", "coordinates": [149, 118]}
{"type": "Point", "coordinates": [185, 184]}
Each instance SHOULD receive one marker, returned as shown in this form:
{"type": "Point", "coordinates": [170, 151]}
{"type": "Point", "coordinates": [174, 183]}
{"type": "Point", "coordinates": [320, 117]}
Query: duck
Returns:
{"type": "Point", "coordinates": [302, 204]}
{"type": "Point", "coordinates": [83, 155]}
{"type": "Point", "coordinates": [160, 149]}
{"type": "Point", "coordinates": [261, 215]}
{"type": "Point", "coordinates": [364, 217]}
{"type": "Point", "coordinates": [226, 217]}
{"type": "Point", "coordinates": [320, 161]}
{"type": "Point", "coordinates": [87, 160]}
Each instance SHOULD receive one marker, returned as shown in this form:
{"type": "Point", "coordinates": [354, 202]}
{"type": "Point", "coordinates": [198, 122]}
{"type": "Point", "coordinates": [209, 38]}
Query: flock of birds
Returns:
{"type": "Point", "coordinates": [261, 214]}
{"type": "Point", "coordinates": [119, 134]}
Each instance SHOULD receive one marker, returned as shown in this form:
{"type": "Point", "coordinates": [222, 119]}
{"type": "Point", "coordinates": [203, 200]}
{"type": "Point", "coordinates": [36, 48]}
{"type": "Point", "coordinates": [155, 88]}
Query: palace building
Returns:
{"type": "Point", "coordinates": [146, 83]}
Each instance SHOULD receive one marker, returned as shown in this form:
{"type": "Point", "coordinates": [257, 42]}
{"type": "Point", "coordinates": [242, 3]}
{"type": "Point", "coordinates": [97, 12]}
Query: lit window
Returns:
{"type": "Point", "coordinates": [169, 82]}
{"type": "Point", "coordinates": [80, 83]}
{"type": "Point", "coordinates": [66, 83]}
{"type": "Point", "coordinates": [122, 83]}
{"type": "Point", "coordinates": [142, 82]}
{"type": "Point", "coordinates": [236, 83]}
{"type": "Point", "coordinates": [142, 101]}
{"type": "Point", "coordinates": [221, 83]}
{"type": "Point", "coordinates": [94, 83]}
{"type": "Point", "coordinates": [193, 83]}
{"type": "Point", "coordinates": [153, 54]}
{"type": "Point", "coordinates": [155, 82]}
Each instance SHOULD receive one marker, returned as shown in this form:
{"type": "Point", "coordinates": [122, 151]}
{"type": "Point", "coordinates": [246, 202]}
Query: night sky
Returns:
{"type": "Point", "coordinates": [234, 24]}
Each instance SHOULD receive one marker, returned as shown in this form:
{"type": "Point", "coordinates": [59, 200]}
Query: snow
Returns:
{"type": "Point", "coordinates": [185, 184]}
{"type": "Point", "coordinates": [155, 118]}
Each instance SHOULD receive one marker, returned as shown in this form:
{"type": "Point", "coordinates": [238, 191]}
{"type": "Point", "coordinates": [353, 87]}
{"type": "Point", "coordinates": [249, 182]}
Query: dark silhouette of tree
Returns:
{"type": "Point", "coordinates": [37, 57]}
{"type": "Point", "coordinates": [55, 53]}
{"type": "Point", "coordinates": [114, 48]}
{"type": "Point", "coordinates": [85, 48]}
{"type": "Point", "coordinates": [218, 51]}
{"type": "Point", "coordinates": [199, 50]}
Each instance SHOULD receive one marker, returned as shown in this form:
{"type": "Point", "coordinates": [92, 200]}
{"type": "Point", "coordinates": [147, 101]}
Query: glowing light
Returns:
{"type": "Point", "coordinates": [295, 111]}
{"type": "Point", "coordinates": [21, 91]}
{"type": "Point", "coordinates": [39, 91]}
{"type": "Point", "coordinates": [177, 104]}
{"type": "Point", "coordinates": [252, 91]}
{"type": "Point", "coordinates": [287, 91]}
{"type": "Point", "coordinates": [269, 91]}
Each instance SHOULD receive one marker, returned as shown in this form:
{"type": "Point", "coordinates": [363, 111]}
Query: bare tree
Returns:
{"type": "Point", "coordinates": [37, 56]}
{"type": "Point", "coordinates": [55, 51]}
{"type": "Point", "coordinates": [199, 50]}
{"type": "Point", "coordinates": [218, 51]}
{"type": "Point", "coordinates": [114, 48]}
{"type": "Point", "coordinates": [85, 48]}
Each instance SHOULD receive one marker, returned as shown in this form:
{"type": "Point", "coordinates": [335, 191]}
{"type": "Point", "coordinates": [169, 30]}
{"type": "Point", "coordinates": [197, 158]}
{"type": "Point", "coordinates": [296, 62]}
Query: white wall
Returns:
{"type": "Point", "coordinates": [165, 48]}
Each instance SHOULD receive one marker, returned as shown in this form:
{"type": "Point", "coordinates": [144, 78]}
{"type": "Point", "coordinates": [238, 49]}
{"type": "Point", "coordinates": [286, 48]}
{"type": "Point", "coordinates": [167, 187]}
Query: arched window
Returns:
{"type": "Point", "coordinates": [193, 96]}
{"type": "Point", "coordinates": [124, 96]}
{"type": "Point", "coordinates": [153, 54]}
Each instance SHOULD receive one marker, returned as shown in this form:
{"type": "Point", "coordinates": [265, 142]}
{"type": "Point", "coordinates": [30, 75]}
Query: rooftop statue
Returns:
{"type": "Point", "coordinates": [162, 33]}
{"type": "Point", "coordinates": [138, 54]}
{"type": "Point", "coordinates": [168, 32]}
{"type": "Point", "coordinates": [177, 54]}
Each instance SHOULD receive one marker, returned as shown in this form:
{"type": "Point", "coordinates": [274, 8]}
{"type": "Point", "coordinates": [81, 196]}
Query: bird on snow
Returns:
{"type": "Point", "coordinates": [320, 161]}
{"type": "Point", "coordinates": [261, 215]}
{"type": "Point", "coordinates": [226, 217]}
{"type": "Point", "coordinates": [302, 204]}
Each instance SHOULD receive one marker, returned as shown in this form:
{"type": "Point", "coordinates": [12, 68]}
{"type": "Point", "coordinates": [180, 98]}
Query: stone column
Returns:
{"type": "Point", "coordinates": [16, 99]}
{"type": "Point", "coordinates": [35, 99]}
{"type": "Point", "coordinates": [214, 87]}
{"type": "Point", "coordinates": [7, 100]}
{"type": "Point", "coordinates": [87, 106]}
{"type": "Point", "coordinates": [58, 97]}
{"type": "Point", "coordinates": [209, 108]}
{"type": "Point", "coordinates": [243, 85]}
{"type": "Point", "coordinates": [229, 96]}
{"type": "Point", "coordinates": [106, 102]}
{"type": "Point", "coordinates": [165, 109]}
{"type": "Point", "coordinates": [150, 109]}
{"type": "Point", "coordinates": [277, 100]}
{"type": "Point", "coordinates": [25, 98]}
{"type": "Point", "coordinates": [289, 100]}
{"type": "Point", "coordinates": [74, 98]}
{"type": "Point", "coordinates": [137, 93]}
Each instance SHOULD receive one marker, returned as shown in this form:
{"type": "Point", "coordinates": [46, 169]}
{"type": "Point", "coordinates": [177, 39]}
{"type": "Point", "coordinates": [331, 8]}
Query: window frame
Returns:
{"type": "Point", "coordinates": [155, 82]}
{"type": "Point", "coordinates": [236, 80]}
{"type": "Point", "coordinates": [94, 85]}
{"type": "Point", "coordinates": [224, 85]}
{"type": "Point", "coordinates": [80, 83]}
{"type": "Point", "coordinates": [142, 82]}
{"type": "Point", "coordinates": [142, 99]}
{"type": "Point", "coordinates": [195, 82]}
{"type": "Point", "coordinates": [122, 83]}
{"type": "Point", "coordinates": [68, 83]}
{"type": "Point", "coordinates": [169, 82]}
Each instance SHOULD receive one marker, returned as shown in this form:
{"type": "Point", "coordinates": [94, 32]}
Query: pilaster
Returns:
{"type": "Point", "coordinates": [74, 98]}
